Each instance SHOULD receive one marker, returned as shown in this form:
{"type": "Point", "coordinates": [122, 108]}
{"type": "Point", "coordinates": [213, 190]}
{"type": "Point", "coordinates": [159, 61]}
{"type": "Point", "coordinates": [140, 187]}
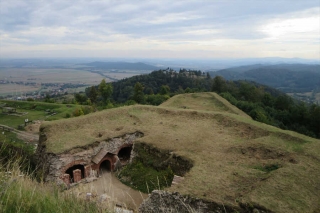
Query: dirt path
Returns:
{"type": "Point", "coordinates": [112, 191]}
{"type": "Point", "coordinates": [28, 137]}
{"type": "Point", "coordinates": [31, 137]}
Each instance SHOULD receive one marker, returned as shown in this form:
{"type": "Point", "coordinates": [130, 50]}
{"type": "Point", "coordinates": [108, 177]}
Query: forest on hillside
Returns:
{"type": "Point", "coordinates": [289, 78]}
{"type": "Point", "coordinates": [262, 103]}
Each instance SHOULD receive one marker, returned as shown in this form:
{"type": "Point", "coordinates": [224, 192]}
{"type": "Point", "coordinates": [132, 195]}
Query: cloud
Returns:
{"type": "Point", "coordinates": [192, 25]}
{"type": "Point", "coordinates": [298, 27]}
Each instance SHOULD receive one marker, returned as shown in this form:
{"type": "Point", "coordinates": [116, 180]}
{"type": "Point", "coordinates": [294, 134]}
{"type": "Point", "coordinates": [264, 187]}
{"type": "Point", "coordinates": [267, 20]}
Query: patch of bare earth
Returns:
{"type": "Point", "coordinates": [33, 127]}
{"type": "Point", "coordinates": [109, 191]}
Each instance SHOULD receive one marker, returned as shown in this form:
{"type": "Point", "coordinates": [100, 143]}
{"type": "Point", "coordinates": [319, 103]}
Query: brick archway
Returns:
{"type": "Point", "coordinates": [76, 162]}
{"type": "Point", "coordinates": [110, 158]}
{"type": "Point", "coordinates": [76, 173]}
{"type": "Point", "coordinates": [67, 174]}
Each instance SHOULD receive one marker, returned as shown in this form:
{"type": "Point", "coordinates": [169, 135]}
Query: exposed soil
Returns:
{"type": "Point", "coordinates": [241, 130]}
{"type": "Point", "coordinates": [290, 138]}
{"type": "Point", "coordinates": [112, 191]}
{"type": "Point", "coordinates": [263, 153]}
{"type": "Point", "coordinates": [28, 137]}
{"type": "Point", "coordinates": [34, 127]}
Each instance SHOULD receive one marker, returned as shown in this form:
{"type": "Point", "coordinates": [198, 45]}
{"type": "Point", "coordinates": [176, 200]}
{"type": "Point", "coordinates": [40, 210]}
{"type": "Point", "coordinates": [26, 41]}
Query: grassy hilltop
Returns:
{"type": "Point", "coordinates": [235, 159]}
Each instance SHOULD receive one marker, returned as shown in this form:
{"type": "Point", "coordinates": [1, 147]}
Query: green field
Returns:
{"type": "Point", "coordinates": [34, 111]}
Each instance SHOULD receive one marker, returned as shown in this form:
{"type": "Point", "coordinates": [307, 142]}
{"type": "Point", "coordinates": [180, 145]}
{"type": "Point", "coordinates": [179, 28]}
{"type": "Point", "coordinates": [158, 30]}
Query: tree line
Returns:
{"type": "Point", "coordinates": [262, 103]}
{"type": "Point", "coordinates": [269, 106]}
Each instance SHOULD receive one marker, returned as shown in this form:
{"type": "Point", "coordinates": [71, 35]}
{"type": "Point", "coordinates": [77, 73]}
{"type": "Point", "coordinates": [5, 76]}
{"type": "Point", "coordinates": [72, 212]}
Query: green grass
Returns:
{"type": "Point", "coordinates": [268, 168]}
{"type": "Point", "coordinates": [145, 178]}
{"type": "Point", "coordinates": [24, 195]}
{"type": "Point", "coordinates": [11, 139]}
{"type": "Point", "coordinates": [35, 111]}
{"type": "Point", "coordinates": [21, 194]}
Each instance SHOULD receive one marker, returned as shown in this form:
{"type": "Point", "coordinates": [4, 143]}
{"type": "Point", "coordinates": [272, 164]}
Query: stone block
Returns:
{"type": "Point", "coordinates": [87, 171]}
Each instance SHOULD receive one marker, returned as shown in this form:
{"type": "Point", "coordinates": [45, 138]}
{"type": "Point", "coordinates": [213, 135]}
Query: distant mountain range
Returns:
{"type": "Point", "coordinates": [212, 64]}
{"type": "Point", "coordinates": [285, 77]}
{"type": "Point", "coordinates": [121, 65]}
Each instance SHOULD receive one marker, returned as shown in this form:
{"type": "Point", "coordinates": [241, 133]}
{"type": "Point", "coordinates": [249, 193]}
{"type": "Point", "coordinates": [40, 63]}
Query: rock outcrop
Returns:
{"type": "Point", "coordinates": [162, 202]}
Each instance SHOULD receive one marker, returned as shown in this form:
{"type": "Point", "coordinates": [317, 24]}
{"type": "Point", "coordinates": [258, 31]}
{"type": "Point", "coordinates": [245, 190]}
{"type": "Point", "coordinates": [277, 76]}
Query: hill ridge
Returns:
{"type": "Point", "coordinates": [236, 159]}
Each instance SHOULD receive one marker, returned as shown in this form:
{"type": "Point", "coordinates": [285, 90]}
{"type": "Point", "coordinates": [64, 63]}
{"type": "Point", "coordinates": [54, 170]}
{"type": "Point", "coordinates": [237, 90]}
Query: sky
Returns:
{"type": "Point", "coordinates": [160, 29]}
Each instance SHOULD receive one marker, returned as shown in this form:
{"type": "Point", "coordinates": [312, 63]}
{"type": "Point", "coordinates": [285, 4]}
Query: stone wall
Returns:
{"type": "Point", "coordinates": [52, 167]}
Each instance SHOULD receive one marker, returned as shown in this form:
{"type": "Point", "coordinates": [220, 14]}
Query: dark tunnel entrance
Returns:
{"type": "Point", "coordinates": [71, 169]}
{"type": "Point", "coordinates": [124, 154]}
{"type": "Point", "coordinates": [105, 166]}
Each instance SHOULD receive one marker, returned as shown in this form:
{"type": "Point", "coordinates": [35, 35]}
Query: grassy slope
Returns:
{"type": "Point", "coordinates": [208, 101]}
{"type": "Point", "coordinates": [38, 113]}
{"type": "Point", "coordinates": [226, 149]}
{"type": "Point", "coordinates": [21, 194]}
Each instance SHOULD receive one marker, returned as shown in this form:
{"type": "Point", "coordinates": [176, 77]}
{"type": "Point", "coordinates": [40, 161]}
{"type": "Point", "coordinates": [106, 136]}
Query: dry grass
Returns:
{"type": "Point", "coordinates": [226, 149]}
{"type": "Point", "coordinates": [207, 101]}
{"type": "Point", "coordinates": [20, 193]}
{"type": "Point", "coordinates": [117, 192]}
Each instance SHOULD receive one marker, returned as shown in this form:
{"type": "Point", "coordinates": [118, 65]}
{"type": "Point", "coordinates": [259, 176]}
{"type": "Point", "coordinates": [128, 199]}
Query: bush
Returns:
{"type": "Point", "coordinates": [259, 114]}
{"type": "Point", "coordinates": [78, 112]}
{"type": "Point", "coordinates": [145, 178]}
{"type": "Point", "coordinates": [229, 98]}
{"type": "Point", "coordinates": [87, 109]}
{"type": "Point", "coordinates": [130, 102]}
{"type": "Point", "coordinates": [156, 99]}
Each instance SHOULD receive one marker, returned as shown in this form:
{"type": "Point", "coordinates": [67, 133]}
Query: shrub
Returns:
{"type": "Point", "coordinates": [78, 112]}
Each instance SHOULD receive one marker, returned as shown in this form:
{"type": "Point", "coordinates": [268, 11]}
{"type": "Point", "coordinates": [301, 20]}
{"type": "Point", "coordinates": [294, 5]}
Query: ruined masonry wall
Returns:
{"type": "Point", "coordinates": [56, 165]}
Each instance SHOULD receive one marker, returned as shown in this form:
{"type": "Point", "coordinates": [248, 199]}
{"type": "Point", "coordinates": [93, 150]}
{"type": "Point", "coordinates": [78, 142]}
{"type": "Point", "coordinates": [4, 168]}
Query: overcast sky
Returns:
{"type": "Point", "coordinates": [160, 29]}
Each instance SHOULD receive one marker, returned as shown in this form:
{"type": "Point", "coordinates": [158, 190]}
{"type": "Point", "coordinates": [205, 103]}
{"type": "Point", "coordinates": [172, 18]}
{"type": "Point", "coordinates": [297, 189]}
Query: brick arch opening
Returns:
{"type": "Point", "coordinates": [71, 169]}
{"type": "Point", "coordinates": [105, 166]}
{"type": "Point", "coordinates": [124, 154]}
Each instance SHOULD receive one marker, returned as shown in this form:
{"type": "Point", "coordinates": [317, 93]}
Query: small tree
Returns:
{"type": "Point", "coordinates": [219, 84]}
{"type": "Point", "coordinates": [138, 95]}
{"type": "Point", "coordinates": [164, 90]}
{"type": "Point", "coordinates": [187, 90]}
{"type": "Point", "coordinates": [80, 98]}
{"type": "Point", "coordinates": [78, 112]}
{"type": "Point", "coordinates": [93, 94]}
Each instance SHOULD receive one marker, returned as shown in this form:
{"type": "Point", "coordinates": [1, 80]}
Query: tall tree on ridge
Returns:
{"type": "Point", "coordinates": [105, 91]}
{"type": "Point", "coordinates": [138, 95]}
